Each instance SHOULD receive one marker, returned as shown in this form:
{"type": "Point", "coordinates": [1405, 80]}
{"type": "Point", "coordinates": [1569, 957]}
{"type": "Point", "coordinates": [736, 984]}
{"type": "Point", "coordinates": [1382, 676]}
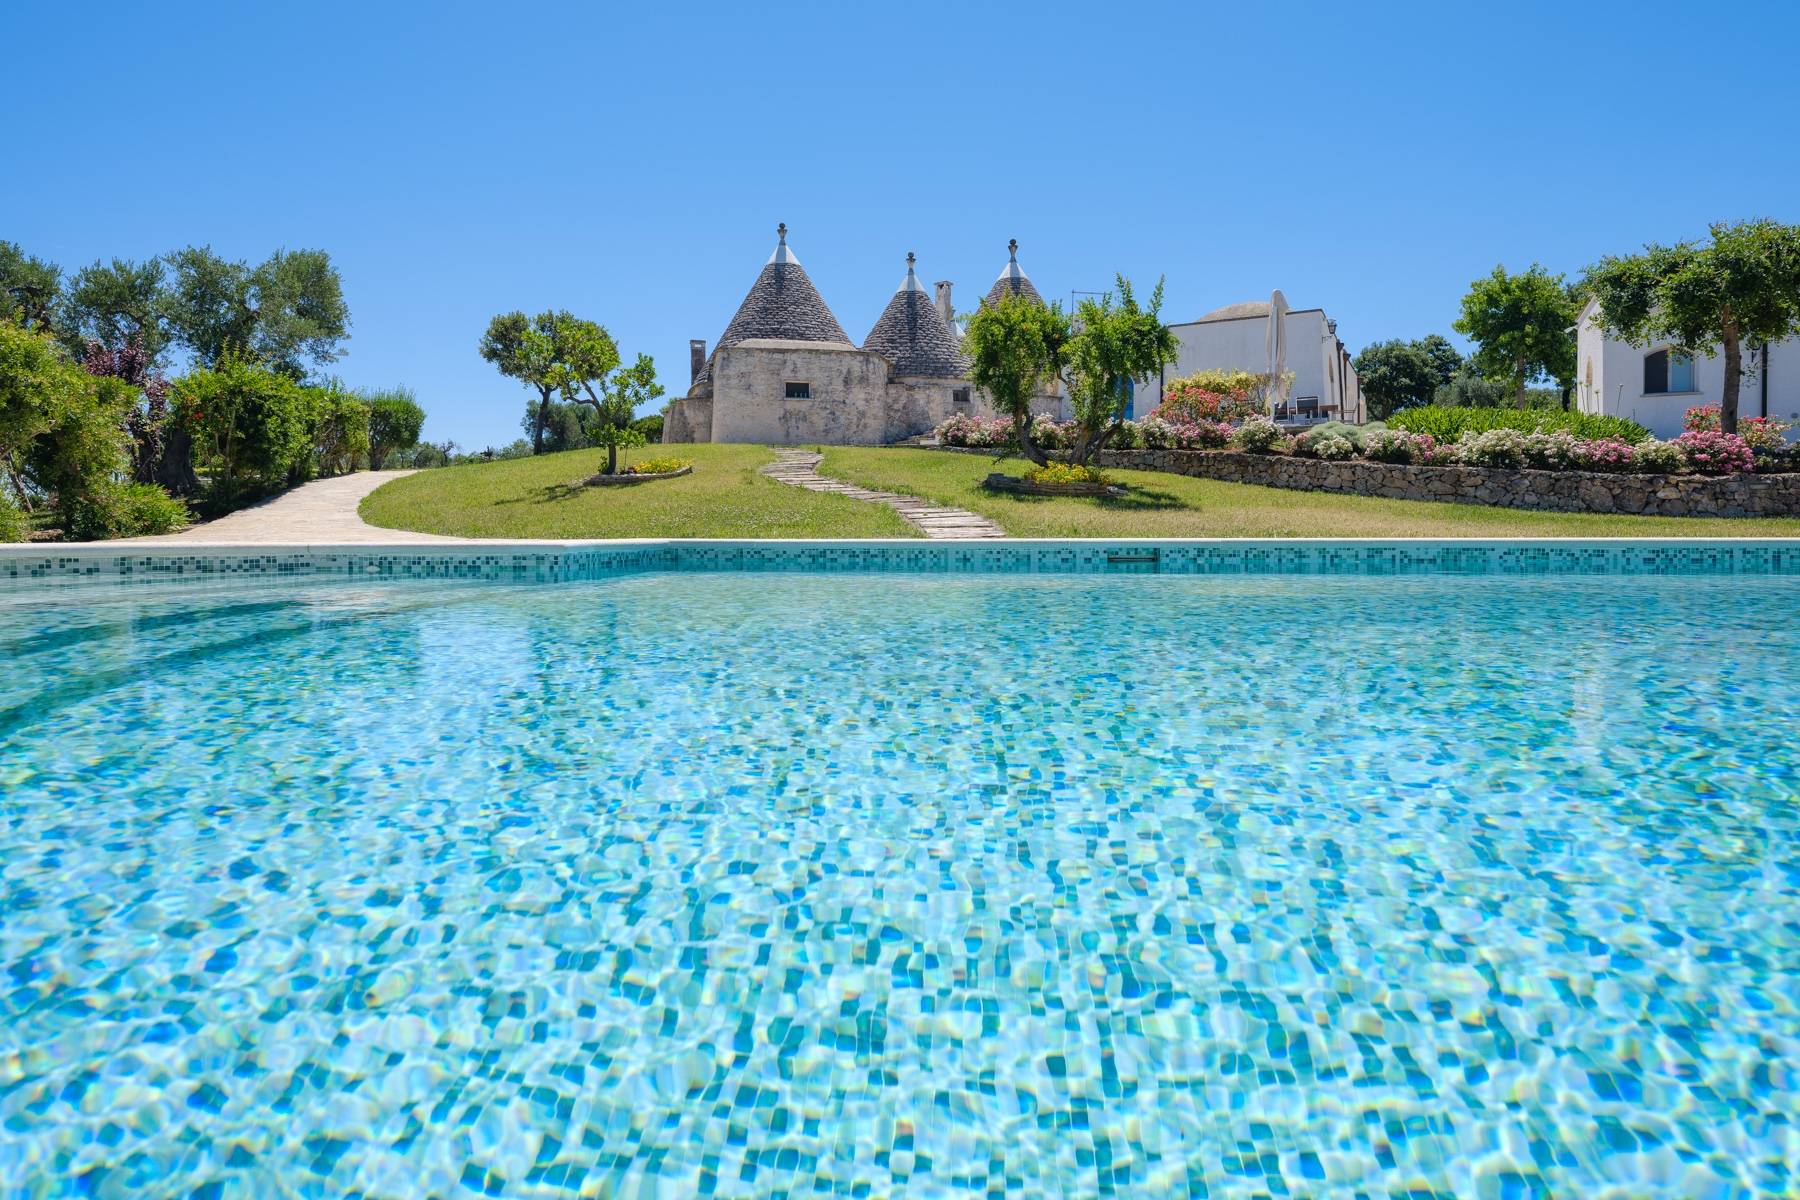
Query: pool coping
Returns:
{"type": "Point", "coordinates": [559, 560]}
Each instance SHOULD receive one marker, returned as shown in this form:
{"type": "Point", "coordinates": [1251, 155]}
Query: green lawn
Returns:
{"type": "Point", "coordinates": [725, 497]}
{"type": "Point", "coordinates": [1163, 505]}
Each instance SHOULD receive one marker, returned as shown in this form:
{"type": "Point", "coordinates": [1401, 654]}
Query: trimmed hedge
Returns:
{"type": "Point", "coordinates": [1448, 424]}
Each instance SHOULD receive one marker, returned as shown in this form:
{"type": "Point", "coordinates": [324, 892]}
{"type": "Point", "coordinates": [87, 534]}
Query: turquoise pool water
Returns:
{"type": "Point", "coordinates": [846, 885]}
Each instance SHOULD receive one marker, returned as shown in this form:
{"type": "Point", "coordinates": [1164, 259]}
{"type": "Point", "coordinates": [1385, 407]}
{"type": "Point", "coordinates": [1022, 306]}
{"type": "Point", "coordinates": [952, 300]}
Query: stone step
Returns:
{"type": "Point", "coordinates": [799, 468]}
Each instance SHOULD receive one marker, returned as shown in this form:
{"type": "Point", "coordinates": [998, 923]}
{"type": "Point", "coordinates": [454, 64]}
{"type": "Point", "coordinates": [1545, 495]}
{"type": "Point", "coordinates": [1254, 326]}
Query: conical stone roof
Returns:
{"type": "Point", "coordinates": [1012, 281]}
{"type": "Point", "coordinates": [783, 303]}
{"type": "Point", "coordinates": [912, 334]}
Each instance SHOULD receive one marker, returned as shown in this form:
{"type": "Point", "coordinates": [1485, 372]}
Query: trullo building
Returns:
{"type": "Point", "coordinates": [784, 372]}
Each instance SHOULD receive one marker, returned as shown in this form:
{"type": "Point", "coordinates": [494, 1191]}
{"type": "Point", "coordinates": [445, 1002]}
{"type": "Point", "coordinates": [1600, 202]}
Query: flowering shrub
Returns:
{"type": "Point", "coordinates": [1154, 433]}
{"type": "Point", "coordinates": [1605, 454]}
{"type": "Point", "coordinates": [1769, 448]}
{"type": "Point", "coordinates": [1333, 448]}
{"type": "Point", "coordinates": [1324, 443]}
{"type": "Point", "coordinates": [963, 430]}
{"type": "Point", "coordinates": [1399, 446]}
{"type": "Point", "coordinates": [1658, 458]}
{"type": "Point", "coordinates": [1063, 473]}
{"type": "Point", "coordinates": [1257, 435]}
{"type": "Point", "coordinates": [1712, 453]}
{"type": "Point", "coordinates": [1049, 434]}
{"type": "Point", "coordinates": [1202, 435]}
{"type": "Point", "coordinates": [1211, 396]}
{"type": "Point", "coordinates": [1494, 448]}
{"type": "Point", "coordinates": [1551, 451]}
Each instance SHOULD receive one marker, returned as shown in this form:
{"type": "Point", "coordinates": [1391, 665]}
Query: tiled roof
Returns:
{"type": "Point", "coordinates": [1013, 280]}
{"type": "Point", "coordinates": [784, 304]}
{"type": "Point", "coordinates": [912, 335]}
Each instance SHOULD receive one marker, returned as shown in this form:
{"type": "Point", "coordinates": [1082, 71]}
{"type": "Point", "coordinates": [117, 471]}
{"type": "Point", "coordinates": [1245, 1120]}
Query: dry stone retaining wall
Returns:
{"type": "Point", "coordinates": [1560, 491]}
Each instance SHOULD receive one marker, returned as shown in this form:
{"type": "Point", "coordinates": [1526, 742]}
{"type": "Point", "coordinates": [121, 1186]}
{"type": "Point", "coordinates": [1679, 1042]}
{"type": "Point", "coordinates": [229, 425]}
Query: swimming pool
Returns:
{"type": "Point", "coordinates": [835, 883]}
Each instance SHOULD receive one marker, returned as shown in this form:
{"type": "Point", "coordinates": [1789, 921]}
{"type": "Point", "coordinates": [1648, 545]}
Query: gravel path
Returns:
{"type": "Point", "coordinates": [801, 469]}
{"type": "Point", "coordinates": [322, 512]}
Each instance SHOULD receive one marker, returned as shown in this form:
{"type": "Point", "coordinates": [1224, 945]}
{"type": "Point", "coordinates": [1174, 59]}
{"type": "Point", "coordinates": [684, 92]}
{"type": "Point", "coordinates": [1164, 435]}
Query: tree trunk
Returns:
{"type": "Point", "coordinates": [1728, 402]}
{"type": "Point", "coordinates": [1022, 428]}
{"type": "Point", "coordinates": [612, 458]}
{"type": "Point", "coordinates": [543, 418]}
{"type": "Point", "coordinates": [175, 465]}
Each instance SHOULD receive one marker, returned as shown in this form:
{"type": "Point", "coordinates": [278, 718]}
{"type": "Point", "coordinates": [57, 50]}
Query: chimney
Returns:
{"type": "Point", "coordinates": [696, 358]}
{"type": "Point", "coordinates": [944, 307]}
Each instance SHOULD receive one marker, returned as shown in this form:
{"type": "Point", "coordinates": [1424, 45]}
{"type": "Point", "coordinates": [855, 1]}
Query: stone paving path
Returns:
{"type": "Point", "coordinates": [801, 469]}
{"type": "Point", "coordinates": [320, 513]}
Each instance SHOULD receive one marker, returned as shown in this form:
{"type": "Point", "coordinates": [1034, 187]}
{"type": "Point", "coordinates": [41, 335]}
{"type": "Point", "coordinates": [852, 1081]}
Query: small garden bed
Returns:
{"type": "Point", "coordinates": [1027, 486]}
{"type": "Point", "coordinates": [641, 472]}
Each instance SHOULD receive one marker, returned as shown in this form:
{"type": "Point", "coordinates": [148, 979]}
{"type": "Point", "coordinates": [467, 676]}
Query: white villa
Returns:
{"type": "Point", "coordinates": [1236, 337]}
{"type": "Point", "coordinates": [1656, 385]}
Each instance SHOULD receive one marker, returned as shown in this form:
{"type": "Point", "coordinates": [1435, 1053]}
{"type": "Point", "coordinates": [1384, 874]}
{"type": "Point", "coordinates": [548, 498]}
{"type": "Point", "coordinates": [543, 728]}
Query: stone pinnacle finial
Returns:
{"type": "Point", "coordinates": [910, 260]}
{"type": "Point", "coordinates": [781, 231]}
{"type": "Point", "coordinates": [1012, 249]}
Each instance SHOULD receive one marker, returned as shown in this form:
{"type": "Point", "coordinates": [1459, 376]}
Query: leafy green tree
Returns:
{"type": "Point", "coordinates": [62, 445]}
{"type": "Point", "coordinates": [249, 425]}
{"type": "Point", "coordinates": [288, 311]}
{"type": "Point", "coordinates": [395, 420]}
{"type": "Point", "coordinates": [1396, 374]}
{"type": "Point", "coordinates": [118, 306]}
{"type": "Point", "coordinates": [39, 389]}
{"type": "Point", "coordinates": [1015, 347]}
{"type": "Point", "coordinates": [615, 407]}
{"type": "Point", "coordinates": [1115, 344]}
{"type": "Point", "coordinates": [1743, 287]}
{"type": "Point", "coordinates": [1522, 326]}
{"type": "Point", "coordinates": [338, 421]}
{"type": "Point", "coordinates": [29, 288]}
{"type": "Point", "coordinates": [552, 352]}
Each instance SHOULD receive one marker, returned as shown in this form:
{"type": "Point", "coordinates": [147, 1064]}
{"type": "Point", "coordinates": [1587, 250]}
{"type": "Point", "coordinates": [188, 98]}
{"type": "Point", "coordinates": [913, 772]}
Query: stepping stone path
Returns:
{"type": "Point", "coordinates": [801, 469]}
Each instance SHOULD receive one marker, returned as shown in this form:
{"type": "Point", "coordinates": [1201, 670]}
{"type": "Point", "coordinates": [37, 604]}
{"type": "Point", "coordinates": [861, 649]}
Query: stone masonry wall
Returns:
{"type": "Point", "coordinates": [1560, 491]}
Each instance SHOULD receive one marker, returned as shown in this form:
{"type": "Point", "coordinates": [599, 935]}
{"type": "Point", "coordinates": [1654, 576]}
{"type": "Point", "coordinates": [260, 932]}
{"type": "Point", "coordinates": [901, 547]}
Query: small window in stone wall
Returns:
{"type": "Point", "coordinates": [959, 396]}
{"type": "Point", "coordinates": [799, 391]}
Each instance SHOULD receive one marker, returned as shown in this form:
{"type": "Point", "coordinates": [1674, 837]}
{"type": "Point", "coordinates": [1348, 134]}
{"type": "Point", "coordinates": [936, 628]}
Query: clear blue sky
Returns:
{"type": "Point", "coordinates": [630, 162]}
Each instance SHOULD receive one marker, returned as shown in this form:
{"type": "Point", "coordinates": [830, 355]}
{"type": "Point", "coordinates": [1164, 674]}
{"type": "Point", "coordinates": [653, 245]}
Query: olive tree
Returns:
{"type": "Point", "coordinates": [1743, 287]}
{"type": "Point", "coordinates": [552, 352]}
{"type": "Point", "coordinates": [395, 422]}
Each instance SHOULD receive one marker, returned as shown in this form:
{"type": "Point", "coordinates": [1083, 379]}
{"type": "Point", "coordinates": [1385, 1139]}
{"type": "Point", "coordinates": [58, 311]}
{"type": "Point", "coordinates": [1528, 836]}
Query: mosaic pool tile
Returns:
{"type": "Point", "coordinates": [759, 882]}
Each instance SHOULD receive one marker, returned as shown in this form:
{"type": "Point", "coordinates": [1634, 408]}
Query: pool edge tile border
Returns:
{"type": "Point", "coordinates": [558, 561]}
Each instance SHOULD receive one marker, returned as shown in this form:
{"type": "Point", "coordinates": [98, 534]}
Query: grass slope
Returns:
{"type": "Point", "coordinates": [1164, 505]}
{"type": "Point", "coordinates": [725, 497]}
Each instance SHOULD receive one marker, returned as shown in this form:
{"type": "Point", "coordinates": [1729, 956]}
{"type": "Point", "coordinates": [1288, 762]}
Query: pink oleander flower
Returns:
{"type": "Point", "coordinates": [1713, 453]}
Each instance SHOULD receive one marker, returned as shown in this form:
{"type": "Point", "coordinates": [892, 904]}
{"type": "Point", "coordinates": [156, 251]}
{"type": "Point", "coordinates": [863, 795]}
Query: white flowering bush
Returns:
{"type": "Point", "coordinates": [1333, 448]}
{"type": "Point", "coordinates": [1494, 448]}
{"type": "Point", "coordinates": [1550, 451]}
{"type": "Point", "coordinates": [1652, 457]}
{"type": "Point", "coordinates": [1257, 435]}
